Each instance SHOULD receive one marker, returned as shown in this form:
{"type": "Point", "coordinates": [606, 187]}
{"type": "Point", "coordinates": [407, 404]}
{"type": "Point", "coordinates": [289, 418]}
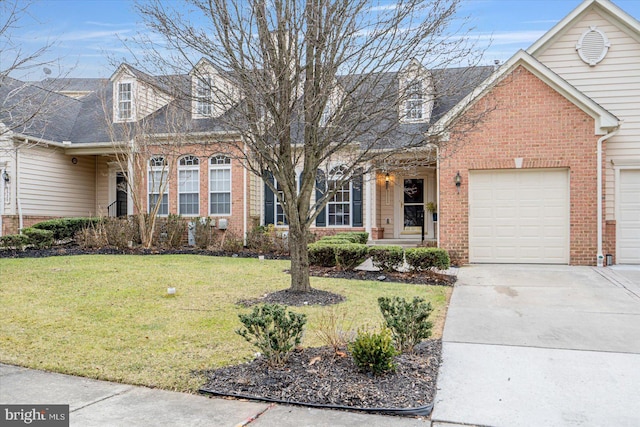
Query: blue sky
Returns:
{"type": "Point", "coordinates": [85, 33]}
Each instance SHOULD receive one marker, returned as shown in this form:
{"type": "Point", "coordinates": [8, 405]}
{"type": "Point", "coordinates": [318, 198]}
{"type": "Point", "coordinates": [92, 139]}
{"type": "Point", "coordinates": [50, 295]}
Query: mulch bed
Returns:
{"type": "Point", "coordinates": [320, 377]}
{"type": "Point", "coordinates": [417, 277]}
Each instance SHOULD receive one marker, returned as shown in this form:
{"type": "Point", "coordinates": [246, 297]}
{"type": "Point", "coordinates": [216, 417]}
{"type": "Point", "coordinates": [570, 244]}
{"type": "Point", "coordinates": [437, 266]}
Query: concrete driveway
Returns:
{"type": "Point", "coordinates": [541, 345]}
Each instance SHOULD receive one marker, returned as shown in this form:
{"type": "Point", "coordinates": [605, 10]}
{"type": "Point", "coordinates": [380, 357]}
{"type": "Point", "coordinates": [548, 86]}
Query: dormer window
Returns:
{"type": "Point", "coordinates": [415, 101]}
{"type": "Point", "coordinates": [125, 101]}
{"type": "Point", "coordinates": [204, 104]}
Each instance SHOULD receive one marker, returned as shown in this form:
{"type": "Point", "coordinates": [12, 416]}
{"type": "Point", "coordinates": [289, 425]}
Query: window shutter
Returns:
{"type": "Point", "coordinates": [269, 202]}
{"type": "Point", "coordinates": [321, 186]}
{"type": "Point", "coordinates": [356, 194]}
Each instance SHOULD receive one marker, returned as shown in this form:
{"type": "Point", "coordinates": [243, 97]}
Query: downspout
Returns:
{"type": "Point", "coordinates": [600, 255]}
{"type": "Point", "coordinates": [18, 203]}
{"type": "Point", "coordinates": [244, 220]}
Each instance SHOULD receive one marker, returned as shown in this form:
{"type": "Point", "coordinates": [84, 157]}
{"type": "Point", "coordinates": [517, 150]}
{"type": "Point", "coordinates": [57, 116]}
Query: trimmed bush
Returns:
{"type": "Point", "coordinates": [14, 241]}
{"type": "Point", "coordinates": [408, 321]}
{"type": "Point", "coordinates": [386, 257]}
{"type": "Point", "coordinates": [338, 240]}
{"type": "Point", "coordinates": [41, 239]}
{"type": "Point", "coordinates": [65, 228]}
{"type": "Point", "coordinates": [426, 258]}
{"type": "Point", "coordinates": [374, 352]}
{"type": "Point", "coordinates": [118, 232]}
{"type": "Point", "coordinates": [322, 254]}
{"type": "Point", "coordinates": [350, 255]}
{"type": "Point", "coordinates": [359, 236]}
{"type": "Point", "coordinates": [275, 332]}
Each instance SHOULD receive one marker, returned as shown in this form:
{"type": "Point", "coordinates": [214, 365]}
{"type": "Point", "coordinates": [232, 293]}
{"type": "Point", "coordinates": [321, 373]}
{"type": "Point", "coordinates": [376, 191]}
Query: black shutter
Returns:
{"type": "Point", "coordinates": [356, 197]}
{"type": "Point", "coordinates": [269, 201]}
{"type": "Point", "coordinates": [321, 187]}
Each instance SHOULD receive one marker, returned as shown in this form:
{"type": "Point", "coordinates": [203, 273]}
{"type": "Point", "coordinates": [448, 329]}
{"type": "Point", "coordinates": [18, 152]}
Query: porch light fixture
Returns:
{"type": "Point", "coordinates": [5, 176]}
{"type": "Point", "coordinates": [458, 180]}
{"type": "Point", "coordinates": [386, 181]}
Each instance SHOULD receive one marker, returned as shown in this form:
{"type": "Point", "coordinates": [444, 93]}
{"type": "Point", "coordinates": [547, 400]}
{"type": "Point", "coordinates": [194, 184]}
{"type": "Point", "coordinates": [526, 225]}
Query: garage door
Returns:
{"type": "Point", "coordinates": [519, 216]}
{"type": "Point", "coordinates": [629, 217]}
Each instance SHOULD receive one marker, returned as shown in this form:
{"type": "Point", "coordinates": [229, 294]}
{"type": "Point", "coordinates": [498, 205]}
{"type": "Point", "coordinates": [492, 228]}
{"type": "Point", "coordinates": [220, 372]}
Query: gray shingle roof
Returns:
{"type": "Point", "coordinates": [85, 121]}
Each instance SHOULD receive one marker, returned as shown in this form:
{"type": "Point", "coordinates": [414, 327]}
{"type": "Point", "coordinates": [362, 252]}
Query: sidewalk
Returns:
{"type": "Point", "coordinates": [101, 403]}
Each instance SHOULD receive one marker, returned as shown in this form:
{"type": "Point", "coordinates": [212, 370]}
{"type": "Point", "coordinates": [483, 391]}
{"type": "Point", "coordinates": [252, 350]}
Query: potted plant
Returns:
{"type": "Point", "coordinates": [432, 207]}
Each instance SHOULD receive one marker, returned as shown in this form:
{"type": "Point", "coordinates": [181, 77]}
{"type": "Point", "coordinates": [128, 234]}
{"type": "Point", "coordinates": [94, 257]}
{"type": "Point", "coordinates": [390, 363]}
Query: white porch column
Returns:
{"type": "Point", "coordinates": [370, 191]}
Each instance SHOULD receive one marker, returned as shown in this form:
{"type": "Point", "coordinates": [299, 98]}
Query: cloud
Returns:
{"type": "Point", "coordinates": [511, 37]}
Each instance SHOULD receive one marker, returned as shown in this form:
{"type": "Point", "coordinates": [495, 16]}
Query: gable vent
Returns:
{"type": "Point", "coordinates": [593, 46]}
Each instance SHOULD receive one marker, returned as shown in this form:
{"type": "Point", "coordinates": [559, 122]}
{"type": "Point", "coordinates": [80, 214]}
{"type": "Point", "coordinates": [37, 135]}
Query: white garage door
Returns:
{"type": "Point", "coordinates": [519, 216]}
{"type": "Point", "coordinates": [629, 217]}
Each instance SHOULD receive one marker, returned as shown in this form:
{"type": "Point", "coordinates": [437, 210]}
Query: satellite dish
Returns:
{"type": "Point", "coordinates": [46, 70]}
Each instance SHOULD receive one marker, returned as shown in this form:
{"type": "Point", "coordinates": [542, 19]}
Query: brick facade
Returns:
{"type": "Point", "coordinates": [527, 120]}
{"type": "Point", "coordinates": [204, 152]}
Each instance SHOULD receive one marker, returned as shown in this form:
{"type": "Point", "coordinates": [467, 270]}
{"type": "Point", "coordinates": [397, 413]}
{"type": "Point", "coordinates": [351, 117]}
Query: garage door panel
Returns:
{"type": "Point", "coordinates": [519, 216]}
{"type": "Point", "coordinates": [628, 218]}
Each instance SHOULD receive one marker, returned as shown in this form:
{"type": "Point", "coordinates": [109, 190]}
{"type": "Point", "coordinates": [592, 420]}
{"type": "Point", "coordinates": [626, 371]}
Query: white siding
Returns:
{"type": "Point", "coordinates": [614, 83]}
{"type": "Point", "coordinates": [51, 185]}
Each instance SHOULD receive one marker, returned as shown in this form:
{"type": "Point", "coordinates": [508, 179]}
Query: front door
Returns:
{"type": "Point", "coordinates": [413, 205]}
{"type": "Point", "coordinates": [121, 194]}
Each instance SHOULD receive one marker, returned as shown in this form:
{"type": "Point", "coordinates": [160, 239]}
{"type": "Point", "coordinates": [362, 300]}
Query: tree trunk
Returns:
{"type": "Point", "coordinates": [298, 239]}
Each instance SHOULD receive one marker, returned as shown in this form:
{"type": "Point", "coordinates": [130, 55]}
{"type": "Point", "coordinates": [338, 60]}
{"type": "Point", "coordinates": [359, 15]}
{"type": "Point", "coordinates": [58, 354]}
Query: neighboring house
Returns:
{"type": "Point", "coordinates": [550, 174]}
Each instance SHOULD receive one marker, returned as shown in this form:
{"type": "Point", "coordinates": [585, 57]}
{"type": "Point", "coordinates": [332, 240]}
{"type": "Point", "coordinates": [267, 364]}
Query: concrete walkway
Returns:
{"type": "Point", "coordinates": [541, 346]}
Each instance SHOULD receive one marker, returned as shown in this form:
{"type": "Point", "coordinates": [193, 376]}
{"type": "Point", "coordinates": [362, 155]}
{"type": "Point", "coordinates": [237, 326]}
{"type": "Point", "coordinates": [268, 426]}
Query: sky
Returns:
{"type": "Point", "coordinates": [89, 36]}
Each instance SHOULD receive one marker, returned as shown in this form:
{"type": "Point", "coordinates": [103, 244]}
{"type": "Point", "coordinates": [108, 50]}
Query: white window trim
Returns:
{"type": "Point", "coordinates": [350, 184]}
{"type": "Point", "coordinates": [198, 101]}
{"type": "Point", "coordinates": [160, 169]}
{"type": "Point", "coordinates": [218, 167]}
{"type": "Point", "coordinates": [116, 102]}
{"type": "Point", "coordinates": [182, 168]}
{"type": "Point", "coordinates": [410, 99]}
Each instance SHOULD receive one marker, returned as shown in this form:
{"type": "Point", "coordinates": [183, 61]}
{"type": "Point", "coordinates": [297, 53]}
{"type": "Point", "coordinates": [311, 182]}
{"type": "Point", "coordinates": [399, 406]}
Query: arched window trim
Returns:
{"type": "Point", "coordinates": [157, 177]}
{"type": "Point", "coordinates": [220, 185]}
{"type": "Point", "coordinates": [189, 185]}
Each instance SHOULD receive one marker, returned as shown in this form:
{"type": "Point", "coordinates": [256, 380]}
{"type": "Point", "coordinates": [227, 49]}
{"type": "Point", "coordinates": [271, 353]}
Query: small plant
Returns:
{"type": "Point", "coordinates": [351, 255]}
{"type": "Point", "coordinates": [408, 321]}
{"type": "Point", "coordinates": [374, 352]}
{"type": "Point", "coordinates": [261, 238]}
{"type": "Point", "coordinates": [41, 239]}
{"type": "Point", "coordinates": [331, 329]}
{"type": "Point", "coordinates": [386, 257]}
{"type": "Point", "coordinates": [426, 258]}
{"type": "Point", "coordinates": [119, 232]}
{"type": "Point", "coordinates": [202, 232]}
{"type": "Point", "coordinates": [273, 331]}
{"type": "Point", "coordinates": [358, 236]}
{"type": "Point", "coordinates": [231, 242]}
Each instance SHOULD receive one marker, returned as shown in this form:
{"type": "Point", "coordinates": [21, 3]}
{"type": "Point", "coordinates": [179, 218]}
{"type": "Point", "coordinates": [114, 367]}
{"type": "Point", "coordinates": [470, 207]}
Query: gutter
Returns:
{"type": "Point", "coordinates": [600, 255]}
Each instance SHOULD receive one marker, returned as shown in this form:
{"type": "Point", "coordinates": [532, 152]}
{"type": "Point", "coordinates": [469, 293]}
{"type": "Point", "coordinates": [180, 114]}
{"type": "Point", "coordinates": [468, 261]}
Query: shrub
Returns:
{"type": "Point", "coordinates": [426, 258]}
{"type": "Point", "coordinates": [406, 320]}
{"type": "Point", "coordinates": [231, 242]}
{"type": "Point", "coordinates": [331, 329]}
{"type": "Point", "coordinates": [386, 258]}
{"type": "Point", "coordinates": [322, 254]}
{"type": "Point", "coordinates": [358, 236]}
{"type": "Point", "coordinates": [262, 238]}
{"type": "Point", "coordinates": [350, 255]}
{"type": "Point", "coordinates": [338, 240]}
{"type": "Point", "coordinates": [374, 352]}
{"type": "Point", "coordinates": [173, 228]}
{"type": "Point", "coordinates": [14, 241]}
{"type": "Point", "coordinates": [65, 228]}
{"type": "Point", "coordinates": [41, 239]}
{"type": "Point", "coordinates": [273, 331]}
{"type": "Point", "coordinates": [92, 236]}
{"type": "Point", "coordinates": [119, 232]}
{"type": "Point", "coordinates": [202, 232]}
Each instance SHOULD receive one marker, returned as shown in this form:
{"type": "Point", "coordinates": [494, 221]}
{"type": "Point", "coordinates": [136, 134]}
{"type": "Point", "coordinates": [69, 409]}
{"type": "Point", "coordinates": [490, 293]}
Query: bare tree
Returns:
{"type": "Point", "coordinates": [308, 84]}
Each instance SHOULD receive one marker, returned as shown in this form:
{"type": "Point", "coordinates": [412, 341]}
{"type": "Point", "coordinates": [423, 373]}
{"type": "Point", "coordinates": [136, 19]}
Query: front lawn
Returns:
{"type": "Point", "coordinates": [109, 317]}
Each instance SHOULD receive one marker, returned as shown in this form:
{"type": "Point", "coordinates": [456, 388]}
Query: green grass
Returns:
{"type": "Point", "coordinates": [109, 317]}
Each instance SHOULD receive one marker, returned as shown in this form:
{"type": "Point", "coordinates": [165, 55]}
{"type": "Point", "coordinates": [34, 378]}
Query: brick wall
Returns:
{"type": "Point", "coordinates": [204, 152]}
{"type": "Point", "coordinates": [11, 223]}
{"type": "Point", "coordinates": [527, 119]}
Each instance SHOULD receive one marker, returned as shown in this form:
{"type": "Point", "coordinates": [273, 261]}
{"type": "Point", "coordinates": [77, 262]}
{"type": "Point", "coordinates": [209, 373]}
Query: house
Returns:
{"type": "Point", "coordinates": [540, 162]}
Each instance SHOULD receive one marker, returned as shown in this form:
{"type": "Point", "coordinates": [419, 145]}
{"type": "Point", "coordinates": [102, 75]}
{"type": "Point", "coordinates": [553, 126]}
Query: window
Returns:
{"type": "Point", "coordinates": [339, 206]}
{"type": "Point", "coordinates": [414, 101]}
{"type": "Point", "coordinates": [125, 101]}
{"type": "Point", "coordinates": [204, 106]}
{"type": "Point", "coordinates": [189, 186]}
{"type": "Point", "coordinates": [281, 218]}
{"type": "Point", "coordinates": [220, 185]}
{"type": "Point", "coordinates": [158, 186]}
